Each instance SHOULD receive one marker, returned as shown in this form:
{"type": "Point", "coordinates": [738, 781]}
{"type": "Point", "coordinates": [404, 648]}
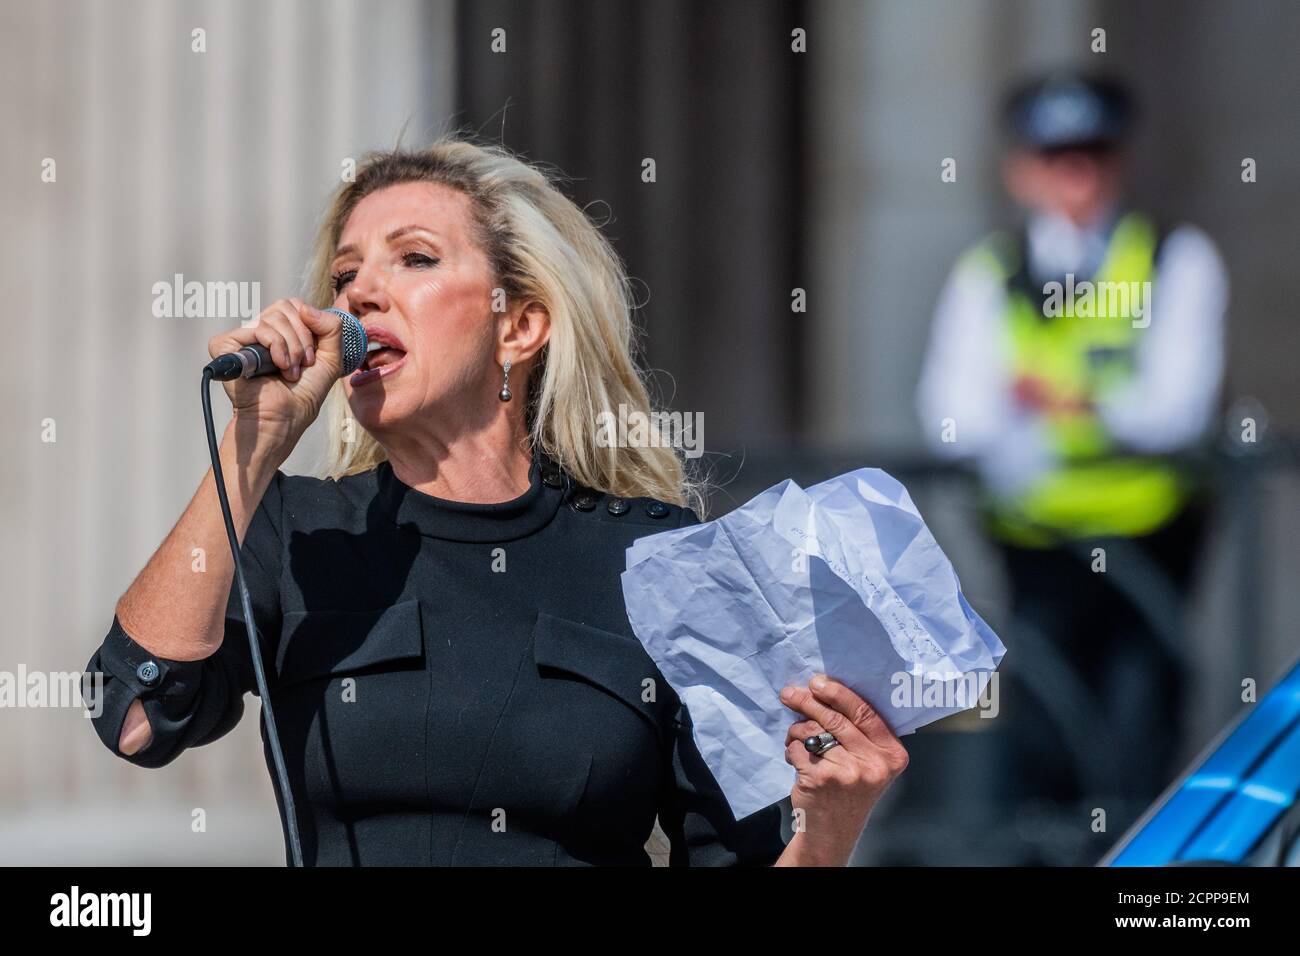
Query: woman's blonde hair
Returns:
{"type": "Point", "coordinates": [540, 246]}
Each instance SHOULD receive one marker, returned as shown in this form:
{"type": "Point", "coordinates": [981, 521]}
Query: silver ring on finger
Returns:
{"type": "Point", "coordinates": [821, 743]}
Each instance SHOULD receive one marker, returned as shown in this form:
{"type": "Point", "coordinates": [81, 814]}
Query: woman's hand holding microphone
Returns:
{"type": "Point", "coordinates": [271, 412]}
{"type": "Point", "coordinates": [171, 611]}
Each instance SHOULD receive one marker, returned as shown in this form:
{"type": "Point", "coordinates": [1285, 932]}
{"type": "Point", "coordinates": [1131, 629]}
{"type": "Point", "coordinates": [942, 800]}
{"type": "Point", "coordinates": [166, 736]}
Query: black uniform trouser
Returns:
{"type": "Point", "coordinates": [1097, 685]}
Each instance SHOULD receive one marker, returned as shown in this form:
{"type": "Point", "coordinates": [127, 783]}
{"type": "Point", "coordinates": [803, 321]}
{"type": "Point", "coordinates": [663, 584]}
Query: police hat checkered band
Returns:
{"type": "Point", "coordinates": [1072, 112]}
{"type": "Point", "coordinates": [1068, 112]}
{"type": "Point", "coordinates": [354, 341]}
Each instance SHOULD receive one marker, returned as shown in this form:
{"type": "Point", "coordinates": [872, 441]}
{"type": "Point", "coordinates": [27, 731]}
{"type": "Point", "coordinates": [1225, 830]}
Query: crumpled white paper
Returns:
{"type": "Point", "coordinates": [843, 579]}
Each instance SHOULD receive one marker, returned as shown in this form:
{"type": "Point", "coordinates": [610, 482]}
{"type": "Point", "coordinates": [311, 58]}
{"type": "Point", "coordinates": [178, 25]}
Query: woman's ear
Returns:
{"type": "Point", "coordinates": [527, 327]}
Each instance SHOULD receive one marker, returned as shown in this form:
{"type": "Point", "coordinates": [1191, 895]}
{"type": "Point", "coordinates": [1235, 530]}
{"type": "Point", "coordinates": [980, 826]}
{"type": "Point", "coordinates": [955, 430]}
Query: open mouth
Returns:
{"type": "Point", "coordinates": [381, 360]}
{"type": "Point", "coordinates": [379, 355]}
{"type": "Point", "coordinates": [384, 355]}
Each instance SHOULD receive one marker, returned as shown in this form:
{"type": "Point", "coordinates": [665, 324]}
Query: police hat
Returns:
{"type": "Point", "coordinates": [1062, 111]}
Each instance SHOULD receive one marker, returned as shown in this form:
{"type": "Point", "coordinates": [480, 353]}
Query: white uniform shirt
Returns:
{"type": "Point", "coordinates": [965, 387]}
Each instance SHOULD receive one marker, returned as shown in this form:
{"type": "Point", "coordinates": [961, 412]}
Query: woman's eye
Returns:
{"type": "Point", "coordinates": [416, 260]}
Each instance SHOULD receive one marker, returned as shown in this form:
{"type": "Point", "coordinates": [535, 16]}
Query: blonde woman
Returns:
{"type": "Point", "coordinates": [453, 676]}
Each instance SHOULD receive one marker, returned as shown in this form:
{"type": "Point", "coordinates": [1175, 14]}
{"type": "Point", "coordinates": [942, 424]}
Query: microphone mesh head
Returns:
{"type": "Point", "coordinates": [354, 341]}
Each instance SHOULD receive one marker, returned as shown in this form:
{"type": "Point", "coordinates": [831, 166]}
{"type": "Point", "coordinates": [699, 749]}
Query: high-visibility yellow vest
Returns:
{"type": "Point", "coordinates": [1095, 489]}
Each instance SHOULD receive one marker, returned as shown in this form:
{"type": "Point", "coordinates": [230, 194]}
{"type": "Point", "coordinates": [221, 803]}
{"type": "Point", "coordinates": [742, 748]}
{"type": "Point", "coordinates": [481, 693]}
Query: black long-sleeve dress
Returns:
{"type": "Point", "coordinates": [453, 684]}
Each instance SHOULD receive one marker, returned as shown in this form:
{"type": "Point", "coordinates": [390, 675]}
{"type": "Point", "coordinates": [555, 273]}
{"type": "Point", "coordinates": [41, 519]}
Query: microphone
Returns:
{"type": "Point", "coordinates": [253, 360]}
{"type": "Point", "coordinates": [250, 361]}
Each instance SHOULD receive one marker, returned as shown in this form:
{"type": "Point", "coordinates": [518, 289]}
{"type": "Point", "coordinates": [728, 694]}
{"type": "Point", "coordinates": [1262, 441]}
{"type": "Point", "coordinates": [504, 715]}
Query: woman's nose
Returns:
{"type": "Point", "coordinates": [366, 292]}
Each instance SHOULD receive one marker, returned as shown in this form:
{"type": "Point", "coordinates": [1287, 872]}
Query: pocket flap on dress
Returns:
{"type": "Point", "coordinates": [614, 662]}
{"type": "Point", "coordinates": [321, 643]}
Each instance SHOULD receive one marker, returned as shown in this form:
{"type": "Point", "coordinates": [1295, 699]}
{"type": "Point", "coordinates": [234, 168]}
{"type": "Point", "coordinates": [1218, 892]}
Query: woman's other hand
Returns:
{"type": "Point", "coordinates": [833, 793]}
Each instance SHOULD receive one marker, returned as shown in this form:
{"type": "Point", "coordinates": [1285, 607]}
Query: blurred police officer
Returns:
{"type": "Point", "coordinates": [1070, 357]}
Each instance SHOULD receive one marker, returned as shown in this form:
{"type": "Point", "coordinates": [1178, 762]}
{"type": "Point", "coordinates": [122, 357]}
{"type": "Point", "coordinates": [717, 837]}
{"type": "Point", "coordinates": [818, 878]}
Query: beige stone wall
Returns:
{"type": "Point", "coordinates": [213, 165]}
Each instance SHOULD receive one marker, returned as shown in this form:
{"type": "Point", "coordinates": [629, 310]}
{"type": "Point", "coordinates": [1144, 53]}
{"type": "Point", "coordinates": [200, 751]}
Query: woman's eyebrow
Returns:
{"type": "Point", "coordinates": [395, 234]}
{"type": "Point", "coordinates": [403, 230]}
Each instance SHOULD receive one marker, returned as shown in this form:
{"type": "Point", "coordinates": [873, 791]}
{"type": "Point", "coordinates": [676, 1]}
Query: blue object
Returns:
{"type": "Point", "coordinates": [1221, 809]}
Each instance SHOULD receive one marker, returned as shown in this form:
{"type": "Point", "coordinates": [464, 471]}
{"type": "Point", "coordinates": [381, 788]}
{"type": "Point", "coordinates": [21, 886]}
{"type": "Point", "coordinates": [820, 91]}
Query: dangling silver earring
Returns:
{"type": "Point", "coordinates": [504, 394]}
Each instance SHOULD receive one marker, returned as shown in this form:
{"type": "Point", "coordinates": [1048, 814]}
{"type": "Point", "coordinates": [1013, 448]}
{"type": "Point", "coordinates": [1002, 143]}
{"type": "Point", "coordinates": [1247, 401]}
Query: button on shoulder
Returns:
{"type": "Point", "coordinates": [652, 513]}
{"type": "Point", "coordinates": [584, 499]}
{"type": "Point", "coordinates": [656, 515]}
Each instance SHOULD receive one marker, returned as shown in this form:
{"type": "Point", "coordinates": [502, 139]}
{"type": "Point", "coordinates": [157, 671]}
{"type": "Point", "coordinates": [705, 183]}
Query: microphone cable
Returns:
{"type": "Point", "coordinates": [255, 646]}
